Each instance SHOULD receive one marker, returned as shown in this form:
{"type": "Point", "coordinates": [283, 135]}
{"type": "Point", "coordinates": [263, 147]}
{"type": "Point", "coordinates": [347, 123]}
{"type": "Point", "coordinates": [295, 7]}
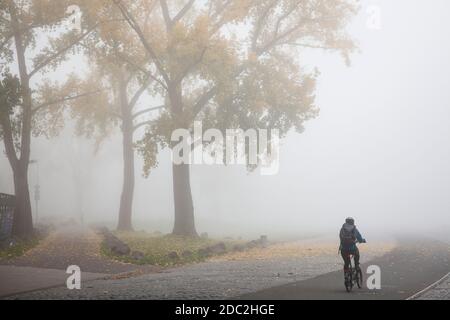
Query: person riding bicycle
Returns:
{"type": "Point", "coordinates": [349, 236]}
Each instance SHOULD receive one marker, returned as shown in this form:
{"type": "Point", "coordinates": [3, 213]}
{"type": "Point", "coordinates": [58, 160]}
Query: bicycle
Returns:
{"type": "Point", "coordinates": [353, 276]}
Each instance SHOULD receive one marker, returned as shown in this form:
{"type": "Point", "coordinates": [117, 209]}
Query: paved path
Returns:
{"type": "Point", "coordinates": [45, 265]}
{"type": "Point", "coordinates": [221, 278]}
{"type": "Point", "coordinates": [440, 291]}
{"type": "Point", "coordinates": [406, 270]}
{"type": "Point", "coordinates": [410, 267]}
{"type": "Point", "coordinates": [72, 246]}
{"type": "Point", "coordinates": [15, 280]}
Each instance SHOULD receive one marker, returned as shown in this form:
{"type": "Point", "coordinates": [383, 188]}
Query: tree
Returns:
{"type": "Point", "coordinates": [26, 101]}
{"type": "Point", "coordinates": [233, 63]}
{"type": "Point", "coordinates": [119, 69]}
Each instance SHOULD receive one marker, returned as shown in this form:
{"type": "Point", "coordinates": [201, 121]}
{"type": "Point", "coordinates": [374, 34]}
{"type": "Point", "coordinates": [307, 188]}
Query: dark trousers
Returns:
{"type": "Point", "coordinates": [346, 256]}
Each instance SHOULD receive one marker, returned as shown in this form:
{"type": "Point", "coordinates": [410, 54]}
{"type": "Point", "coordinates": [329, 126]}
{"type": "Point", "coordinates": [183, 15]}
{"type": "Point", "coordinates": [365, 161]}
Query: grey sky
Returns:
{"type": "Point", "coordinates": [379, 150]}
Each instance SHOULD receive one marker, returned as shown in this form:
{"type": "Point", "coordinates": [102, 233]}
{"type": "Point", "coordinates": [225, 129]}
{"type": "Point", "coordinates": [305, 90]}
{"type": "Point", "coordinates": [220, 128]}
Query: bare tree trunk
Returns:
{"type": "Point", "coordinates": [184, 224]}
{"type": "Point", "coordinates": [184, 208]}
{"type": "Point", "coordinates": [126, 200]}
{"type": "Point", "coordinates": [23, 221]}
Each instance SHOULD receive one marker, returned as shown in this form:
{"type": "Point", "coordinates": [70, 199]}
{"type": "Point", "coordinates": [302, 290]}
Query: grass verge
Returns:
{"type": "Point", "coordinates": [156, 249]}
{"type": "Point", "coordinates": [15, 248]}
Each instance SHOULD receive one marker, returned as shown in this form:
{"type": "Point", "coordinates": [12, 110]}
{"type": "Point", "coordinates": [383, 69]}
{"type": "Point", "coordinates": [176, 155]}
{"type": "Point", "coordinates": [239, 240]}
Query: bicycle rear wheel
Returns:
{"type": "Point", "coordinates": [349, 281]}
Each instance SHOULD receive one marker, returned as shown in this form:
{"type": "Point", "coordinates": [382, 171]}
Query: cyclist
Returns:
{"type": "Point", "coordinates": [349, 236]}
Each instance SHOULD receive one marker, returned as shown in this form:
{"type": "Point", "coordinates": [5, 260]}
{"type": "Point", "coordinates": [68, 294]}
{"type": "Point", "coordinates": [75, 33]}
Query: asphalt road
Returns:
{"type": "Point", "coordinates": [412, 266]}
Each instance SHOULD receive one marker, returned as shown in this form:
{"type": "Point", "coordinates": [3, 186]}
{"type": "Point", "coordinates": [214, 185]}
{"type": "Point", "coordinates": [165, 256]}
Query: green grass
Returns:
{"type": "Point", "coordinates": [157, 247]}
{"type": "Point", "coordinates": [19, 248]}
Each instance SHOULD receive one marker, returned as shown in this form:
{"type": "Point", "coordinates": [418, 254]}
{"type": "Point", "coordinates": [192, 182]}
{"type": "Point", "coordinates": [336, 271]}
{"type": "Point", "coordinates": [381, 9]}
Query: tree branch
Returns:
{"type": "Point", "coordinates": [221, 22]}
{"type": "Point", "coordinates": [204, 99]}
{"type": "Point", "coordinates": [188, 68]}
{"type": "Point", "coordinates": [183, 12]}
{"type": "Point", "coordinates": [140, 91]}
{"type": "Point", "coordinates": [5, 20]}
{"type": "Point", "coordinates": [69, 98]}
{"type": "Point", "coordinates": [139, 113]}
{"type": "Point", "coordinates": [143, 70]}
{"type": "Point", "coordinates": [260, 24]}
{"type": "Point", "coordinates": [20, 31]}
{"type": "Point", "coordinates": [284, 16]}
{"type": "Point", "coordinates": [134, 25]}
{"type": "Point", "coordinates": [142, 124]}
{"type": "Point", "coordinates": [276, 40]}
{"type": "Point", "coordinates": [166, 15]}
{"type": "Point", "coordinates": [7, 38]}
{"type": "Point", "coordinates": [306, 45]}
{"type": "Point", "coordinates": [221, 9]}
{"type": "Point", "coordinates": [168, 20]}
{"type": "Point", "coordinates": [61, 51]}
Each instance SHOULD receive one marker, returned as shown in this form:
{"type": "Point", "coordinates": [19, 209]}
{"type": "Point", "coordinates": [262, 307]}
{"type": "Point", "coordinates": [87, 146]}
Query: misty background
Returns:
{"type": "Point", "coordinates": [378, 151]}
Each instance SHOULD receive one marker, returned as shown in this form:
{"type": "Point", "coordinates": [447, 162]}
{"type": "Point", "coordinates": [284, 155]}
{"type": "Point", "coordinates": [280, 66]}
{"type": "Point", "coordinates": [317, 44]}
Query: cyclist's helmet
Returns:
{"type": "Point", "coordinates": [350, 221]}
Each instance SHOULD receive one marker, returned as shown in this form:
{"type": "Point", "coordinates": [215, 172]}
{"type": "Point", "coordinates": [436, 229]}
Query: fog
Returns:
{"type": "Point", "coordinates": [378, 151]}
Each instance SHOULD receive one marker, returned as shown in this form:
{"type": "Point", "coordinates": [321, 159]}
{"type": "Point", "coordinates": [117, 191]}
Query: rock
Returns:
{"type": "Point", "coordinates": [120, 248]}
{"type": "Point", "coordinates": [263, 241]}
{"type": "Point", "coordinates": [252, 244]}
{"type": "Point", "coordinates": [186, 254]}
{"type": "Point", "coordinates": [137, 255]}
{"type": "Point", "coordinates": [103, 230]}
{"type": "Point", "coordinates": [204, 252]}
{"type": "Point", "coordinates": [173, 255]}
{"type": "Point", "coordinates": [218, 248]}
{"type": "Point", "coordinates": [115, 245]}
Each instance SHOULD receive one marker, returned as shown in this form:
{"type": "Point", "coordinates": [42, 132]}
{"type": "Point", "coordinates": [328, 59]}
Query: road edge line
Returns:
{"type": "Point", "coordinates": [431, 286]}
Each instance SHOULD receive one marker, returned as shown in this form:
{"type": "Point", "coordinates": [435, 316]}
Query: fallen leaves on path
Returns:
{"type": "Point", "coordinates": [302, 249]}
